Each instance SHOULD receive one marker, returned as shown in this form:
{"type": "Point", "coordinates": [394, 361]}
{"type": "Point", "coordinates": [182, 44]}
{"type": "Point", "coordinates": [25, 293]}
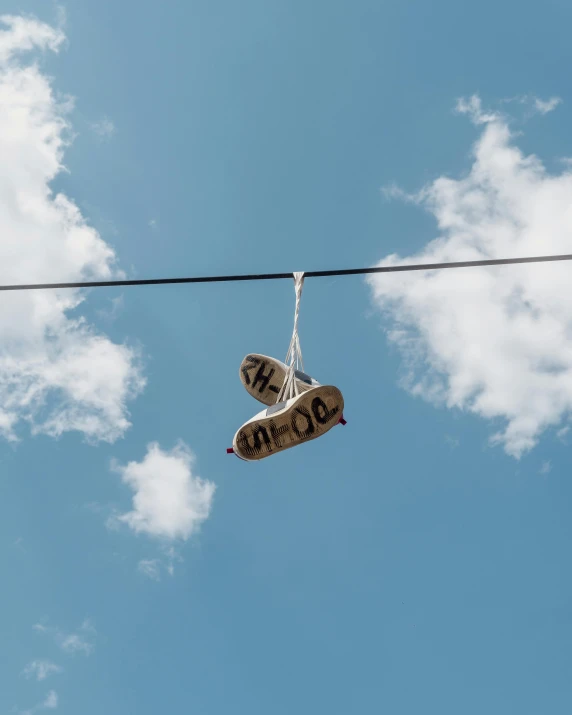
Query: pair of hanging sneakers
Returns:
{"type": "Point", "coordinates": [311, 412]}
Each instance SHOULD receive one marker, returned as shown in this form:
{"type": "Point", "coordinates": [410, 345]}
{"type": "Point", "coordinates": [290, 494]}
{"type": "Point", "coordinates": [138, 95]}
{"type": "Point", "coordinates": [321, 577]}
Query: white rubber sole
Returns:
{"type": "Point", "coordinates": [288, 424]}
{"type": "Point", "coordinates": [263, 377]}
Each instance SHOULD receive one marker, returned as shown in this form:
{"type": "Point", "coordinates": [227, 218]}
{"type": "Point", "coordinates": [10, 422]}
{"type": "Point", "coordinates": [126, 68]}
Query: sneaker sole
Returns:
{"type": "Point", "coordinates": [263, 377]}
{"type": "Point", "coordinates": [303, 418]}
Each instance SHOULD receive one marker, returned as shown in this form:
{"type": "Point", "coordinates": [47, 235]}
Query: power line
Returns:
{"type": "Point", "coordinates": [277, 276]}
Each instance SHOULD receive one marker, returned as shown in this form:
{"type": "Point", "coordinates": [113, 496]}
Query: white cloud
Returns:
{"type": "Point", "coordinates": [474, 108]}
{"type": "Point", "coordinates": [169, 500]}
{"type": "Point", "coordinates": [56, 372]}
{"type": "Point", "coordinates": [51, 701]}
{"type": "Point", "coordinates": [494, 341]}
{"type": "Point", "coordinates": [104, 128]}
{"type": "Point", "coordinates": [546, 106]}
{"type": "Point", "coordinates": [41, 669]}
{"type": "Point", "coordinates": [25, 34]}
{"type": "Point", "coordinates": [79, 641]}
{"type": "Point", "coordinates": [546, 468]}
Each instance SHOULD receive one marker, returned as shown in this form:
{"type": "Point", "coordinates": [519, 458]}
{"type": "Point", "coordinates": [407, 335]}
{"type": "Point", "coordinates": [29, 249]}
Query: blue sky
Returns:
{"type": "Point", "coordinates": [412, 561]}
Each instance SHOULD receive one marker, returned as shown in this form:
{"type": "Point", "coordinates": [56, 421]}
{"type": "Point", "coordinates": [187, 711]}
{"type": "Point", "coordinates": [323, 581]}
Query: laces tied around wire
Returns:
{"type": "Point", "coordinates": [294, 359]}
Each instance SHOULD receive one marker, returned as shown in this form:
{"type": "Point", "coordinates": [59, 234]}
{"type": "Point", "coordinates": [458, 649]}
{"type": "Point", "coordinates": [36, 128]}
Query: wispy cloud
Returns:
{"type": "Point", "coordinates": [79, 641]}
{"type": "Point", "coordinates": [546, 106]}
{"type": "Point", "coordinates": [169, 501]}
{"type": "Point", "coordinates": [473, 107]}
{"type": "Point", "coordinates": [57, 373]}
{"type": "Point", "coordinates": [104, 128]}
{"type": "Point", "coordinates": [392, 191]}
{"type": "Point", "coordinates": [453, 442]}
{"type": "Point", "coordinates": [50, 702]}
{"type": "Point", "coordinates": [76, 643]}
{"type": "Point", "coordinates": [535, 104]}
{"type": "Point", "coordinates": [546, 468]}
{"type": "Point", "coordinates": [150, 568]}
{"type": "Point", "coordinates": [41, 669]}
{"type": "Point", "coordinates": [171, 557]}
{"type": "Point", "coordinates": [117, 306]}
{"type": "Point", "coordinates": [494, 341]}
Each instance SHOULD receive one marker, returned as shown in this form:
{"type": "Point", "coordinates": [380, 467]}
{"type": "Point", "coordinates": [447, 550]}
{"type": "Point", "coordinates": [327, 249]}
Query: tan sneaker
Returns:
{"type": "Point", "coordinates": [287, 424]}
{"type": "Point", "coordinates": [264, 376]}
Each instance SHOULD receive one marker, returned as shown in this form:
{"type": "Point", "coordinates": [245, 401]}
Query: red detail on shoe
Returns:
{"type": "Point", "coordinates": [230, 450]}
{"type": "Point", "coordinates": [342, 421]}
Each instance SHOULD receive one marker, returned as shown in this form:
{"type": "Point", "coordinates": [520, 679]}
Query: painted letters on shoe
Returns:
{"type": "Point", "coordinates": [287, 424]}
{"type": "Point", "coordinates": [264, 376]}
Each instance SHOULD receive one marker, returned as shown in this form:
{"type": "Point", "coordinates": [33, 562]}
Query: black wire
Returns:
{"type": "Point", "coordinates": [275, 276]}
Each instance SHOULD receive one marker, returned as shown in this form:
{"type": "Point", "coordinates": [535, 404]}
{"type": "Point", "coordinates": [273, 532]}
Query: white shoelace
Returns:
{"type": "Point", "coordinates": [294, 359]}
